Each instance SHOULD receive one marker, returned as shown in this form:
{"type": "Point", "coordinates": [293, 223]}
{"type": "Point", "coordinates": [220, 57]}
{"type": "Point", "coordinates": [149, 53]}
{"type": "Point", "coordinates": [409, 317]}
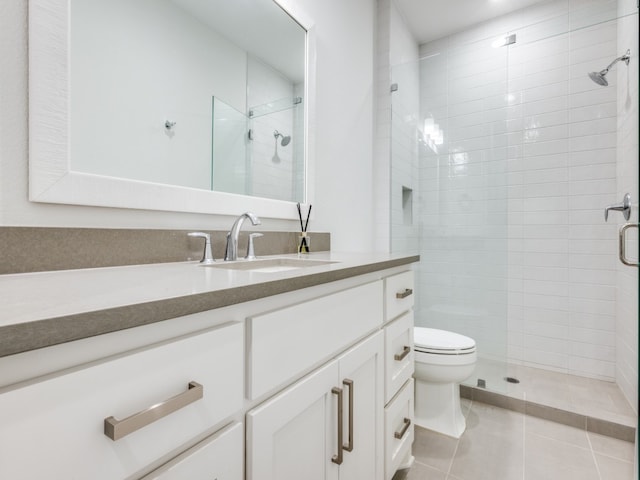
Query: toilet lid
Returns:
{"type": "Point", "coordinates": [442, 341]}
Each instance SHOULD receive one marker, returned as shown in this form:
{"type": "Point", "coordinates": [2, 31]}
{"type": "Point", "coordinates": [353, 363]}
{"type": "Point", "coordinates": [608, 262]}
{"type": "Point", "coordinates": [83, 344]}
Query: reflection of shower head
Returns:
{"type": "Point", "coordinates": [285, 138]}
{"type": "Point", "coordinates": [600, 77]}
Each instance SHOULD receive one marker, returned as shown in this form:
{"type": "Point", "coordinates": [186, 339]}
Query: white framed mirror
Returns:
{"type": "Point", "coordinates": [80, 130]}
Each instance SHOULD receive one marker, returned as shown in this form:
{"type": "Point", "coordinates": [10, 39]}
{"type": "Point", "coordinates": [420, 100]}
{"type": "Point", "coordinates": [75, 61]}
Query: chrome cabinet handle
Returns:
{"type": "Point", "coordinates": [401, 356]}
{"type": "Point", "coordinates": [622, 244]}
{"type": "Point", "coordinates": [116, 429]}
{"type": "Point", "coordinates": [349, 446]}
{"type": "Point", "coordinates": [403, 430]}
{"type": "Point", "coordinates": [338, 458]}
{"type": "Point", "coordinates": [405, 294]}
{"type": "Point", "coordinates": [624, 207]}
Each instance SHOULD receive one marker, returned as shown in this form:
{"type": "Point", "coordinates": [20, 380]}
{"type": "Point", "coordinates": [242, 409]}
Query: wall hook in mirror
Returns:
{"type": "Point", "coordinates": [169, 124]}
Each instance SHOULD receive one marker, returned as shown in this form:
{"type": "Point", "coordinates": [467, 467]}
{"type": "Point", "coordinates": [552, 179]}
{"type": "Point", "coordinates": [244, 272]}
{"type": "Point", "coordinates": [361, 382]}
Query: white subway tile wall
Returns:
{"type": "Point", "coordinates": [518, 158]}
{"type": "Point", "coordinates": [382, 147]}
{"type": "Point", "coordinates": [404, 173]}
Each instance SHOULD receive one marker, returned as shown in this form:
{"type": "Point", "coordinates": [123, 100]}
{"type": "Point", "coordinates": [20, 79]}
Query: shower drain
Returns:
{"type": "Point", "coordinates": [511, 380]}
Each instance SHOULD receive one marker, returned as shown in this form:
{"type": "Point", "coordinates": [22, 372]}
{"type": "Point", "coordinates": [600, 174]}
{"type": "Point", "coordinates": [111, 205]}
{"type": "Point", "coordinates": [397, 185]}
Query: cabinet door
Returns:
{"type": "Point", "coordinates": [361, 376]}
{"type": "Point", "coordinates": [293, 435]}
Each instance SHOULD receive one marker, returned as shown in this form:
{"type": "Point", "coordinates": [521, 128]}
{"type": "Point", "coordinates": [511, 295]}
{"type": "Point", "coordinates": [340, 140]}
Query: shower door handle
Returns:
{"type": "Point", "coordinates": [622, 244]}
{"type": "Point", "coordinates": [624, 207]}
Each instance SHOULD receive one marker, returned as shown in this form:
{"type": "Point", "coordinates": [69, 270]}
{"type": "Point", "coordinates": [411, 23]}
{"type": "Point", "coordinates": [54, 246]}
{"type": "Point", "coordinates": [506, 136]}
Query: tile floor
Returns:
{"type": "Point", "coordinates": [586, 396]}
{"type": "Point", "coordinates": [501, 444]}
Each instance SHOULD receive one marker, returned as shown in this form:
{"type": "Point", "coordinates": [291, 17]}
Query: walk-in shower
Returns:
{"type": "Point", "coordinates": [600, 77]}
{"type": "Point", "coordinates": [512, 154]}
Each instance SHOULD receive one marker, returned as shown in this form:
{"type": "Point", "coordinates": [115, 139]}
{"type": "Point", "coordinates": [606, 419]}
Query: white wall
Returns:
{"type": "Point", "coordinates": [520, 183]}
{"type": "Point", "coordinates": [344, 118]}
{"type": "Point", "coordinates": [627, 179]}
{"type": "Point", "coordinates": [118, 115]}
{"type": "Point", "coordinates": [343, 133]}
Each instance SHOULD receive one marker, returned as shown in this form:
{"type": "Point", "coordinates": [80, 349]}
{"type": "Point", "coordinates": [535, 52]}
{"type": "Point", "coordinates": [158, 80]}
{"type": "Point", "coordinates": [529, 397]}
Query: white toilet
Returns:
{"type": "Point", "coordinates": [442, 361]}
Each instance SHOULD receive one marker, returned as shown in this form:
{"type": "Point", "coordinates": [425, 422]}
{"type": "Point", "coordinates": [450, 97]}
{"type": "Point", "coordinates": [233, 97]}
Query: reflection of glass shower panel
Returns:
{"type": "Point", "coordinates": [229, 149]}
{"type": "Point", "coordinates": [275, 106]}
{"type": "Point", "coordinates": [277, 169]}
{"type": "Point", "coordinates": [272, 162]}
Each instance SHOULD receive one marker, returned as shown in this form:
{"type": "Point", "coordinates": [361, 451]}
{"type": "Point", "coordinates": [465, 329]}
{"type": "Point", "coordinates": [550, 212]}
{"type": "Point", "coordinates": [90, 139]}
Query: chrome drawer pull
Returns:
{"type": "Point", "coordinates": [403, 430]}
{"type": "Point", "coordinates": [349, 446]}
{"type": "Point", "coordinates": [116, 429]}
{"type": "Point", "coordinates": [338, 458]}
{"type": "Point", "coordinates": [405, 294]}
{"type": "Point", "coordinates": [400, 356]}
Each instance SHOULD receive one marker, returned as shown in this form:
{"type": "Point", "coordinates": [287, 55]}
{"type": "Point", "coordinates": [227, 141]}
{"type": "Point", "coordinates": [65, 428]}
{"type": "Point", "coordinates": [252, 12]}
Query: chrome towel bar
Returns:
{"type": "Point", "coordinates": [622, 244]}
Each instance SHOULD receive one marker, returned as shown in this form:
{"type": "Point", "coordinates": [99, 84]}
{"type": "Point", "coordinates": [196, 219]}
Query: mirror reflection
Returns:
{"type": "Point", "coordinates": [206, 94]}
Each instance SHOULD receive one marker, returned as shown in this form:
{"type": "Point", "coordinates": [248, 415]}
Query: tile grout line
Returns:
{"type": "Point", "coordinates": [593, 455]}
{"type": "Point", "coordinates": [524, 440]}
{"type": "Point", "coordinates": [457, 445]}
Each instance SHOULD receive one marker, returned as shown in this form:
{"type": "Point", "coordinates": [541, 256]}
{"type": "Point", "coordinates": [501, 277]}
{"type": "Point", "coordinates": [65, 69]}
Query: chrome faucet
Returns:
{"type": "Point", "coordinates": [231, 253]}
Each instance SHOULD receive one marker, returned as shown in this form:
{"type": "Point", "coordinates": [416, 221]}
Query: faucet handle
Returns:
{"type": "Point", "coordinates": [251, 255]}
{"type": "Point", "coordinates": [207, 256]}
{"type": "Point", "coordinates": [624, 207]}
{"type": "Point", "coordinates": [227, 249]}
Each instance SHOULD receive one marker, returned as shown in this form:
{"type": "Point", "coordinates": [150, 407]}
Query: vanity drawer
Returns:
{"type": "Point", "coordinates": [399, 356]}
{"type": "Point", "coordinates": [398, 429]}
{"type": "Point", "coordinates": [284, 344]}
{"type": "Point", "coordinates": [399, 294]}
{"type": "Point", "coordinates": [220, 456]}
{"type": "Point", "coordinates": [63, 418]}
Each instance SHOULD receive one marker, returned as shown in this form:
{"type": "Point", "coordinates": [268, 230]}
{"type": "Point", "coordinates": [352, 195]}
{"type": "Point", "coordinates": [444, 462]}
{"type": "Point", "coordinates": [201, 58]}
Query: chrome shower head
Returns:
{"type": "Point", "coordinates": [285, 138]}
{"type": "Point", "coordinates": [601, 77]}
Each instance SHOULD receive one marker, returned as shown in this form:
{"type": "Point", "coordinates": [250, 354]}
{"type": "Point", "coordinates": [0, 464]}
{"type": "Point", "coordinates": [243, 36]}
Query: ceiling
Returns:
{"type": "Point", "coordinates": [261, 27]}
{"type": "Point", "coordinates": [432, 19]}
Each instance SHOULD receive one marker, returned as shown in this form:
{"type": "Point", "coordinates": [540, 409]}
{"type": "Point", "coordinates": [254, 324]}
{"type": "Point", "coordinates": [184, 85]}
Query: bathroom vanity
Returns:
{"type": "Point", "coordinates": [276, 374]}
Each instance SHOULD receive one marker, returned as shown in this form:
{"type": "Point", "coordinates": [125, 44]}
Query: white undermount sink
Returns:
{"type": "Point", "coordinates": [270, 265]}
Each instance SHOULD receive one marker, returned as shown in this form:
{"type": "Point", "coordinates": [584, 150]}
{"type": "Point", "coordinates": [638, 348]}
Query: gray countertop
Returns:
{"type": "Point", "coordinates": [47, 308]}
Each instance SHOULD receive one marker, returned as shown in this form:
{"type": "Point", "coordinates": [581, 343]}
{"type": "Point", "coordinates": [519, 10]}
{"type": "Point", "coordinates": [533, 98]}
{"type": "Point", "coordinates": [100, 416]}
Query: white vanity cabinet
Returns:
{"type": "Point", "coordinates": [326, 426]}
{"type": "Point", "coordinates": [82, 424]}
{"type": "Point", "coordinates": [311, 384]}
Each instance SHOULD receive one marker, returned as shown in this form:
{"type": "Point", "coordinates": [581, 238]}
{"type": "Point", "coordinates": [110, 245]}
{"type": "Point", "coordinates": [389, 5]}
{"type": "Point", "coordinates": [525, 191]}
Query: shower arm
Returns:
{"type": "Point", "coordinates": [624, 58]}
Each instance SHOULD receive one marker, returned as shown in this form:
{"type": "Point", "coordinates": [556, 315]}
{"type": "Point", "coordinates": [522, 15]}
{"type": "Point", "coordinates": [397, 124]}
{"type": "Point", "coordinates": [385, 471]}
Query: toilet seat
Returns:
{"type": "Point", "coordinates": [442, 342]}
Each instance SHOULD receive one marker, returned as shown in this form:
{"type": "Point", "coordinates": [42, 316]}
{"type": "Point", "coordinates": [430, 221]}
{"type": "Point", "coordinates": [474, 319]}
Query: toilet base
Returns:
{"type": "Point", "coordinates": [437, 408]}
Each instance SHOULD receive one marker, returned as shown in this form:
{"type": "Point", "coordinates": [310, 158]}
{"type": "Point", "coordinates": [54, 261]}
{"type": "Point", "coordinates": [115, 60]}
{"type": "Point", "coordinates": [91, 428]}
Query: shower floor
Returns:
{"type": "Point", "coordinates": [578, 396]}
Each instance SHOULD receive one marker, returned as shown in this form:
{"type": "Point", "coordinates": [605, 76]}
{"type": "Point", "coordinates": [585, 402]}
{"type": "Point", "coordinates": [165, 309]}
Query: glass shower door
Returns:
{"type": "Point", "coordinates": [450, 150]}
